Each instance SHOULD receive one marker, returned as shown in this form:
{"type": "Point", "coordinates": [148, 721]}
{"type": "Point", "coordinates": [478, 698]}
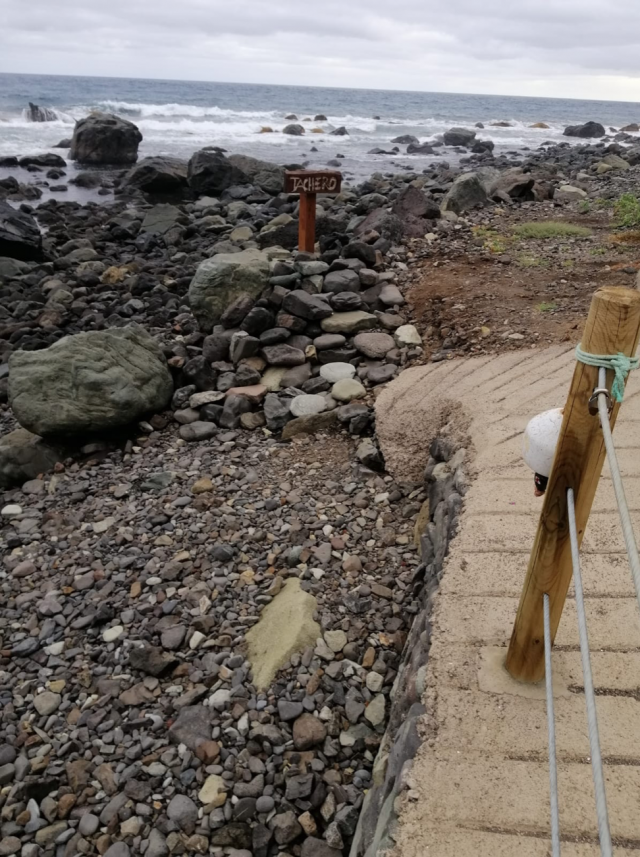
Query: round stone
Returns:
{"type": "Point", "coordinates": [347, 390]}
{"type": "Point", "coordinates": [112, 634]}
{"type": "Point", "coordinates": [47, 702]}
{"type": "Point", "coordinates": [302, 406]}
{"type": "Point", "coordinates": [333, 372]}
{"type": "Point", "coordinates": [407, 335]}
{"type": "Point", "coordinates": [11, 511]}
{"type": "Point", "coordinates": [213, 791]}
{"type": "Point", "coordinates": [374, 345]}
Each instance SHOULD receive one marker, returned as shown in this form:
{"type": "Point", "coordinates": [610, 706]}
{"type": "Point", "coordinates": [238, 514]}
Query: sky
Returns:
{"type": "Point", "coordinates": [562, 48]}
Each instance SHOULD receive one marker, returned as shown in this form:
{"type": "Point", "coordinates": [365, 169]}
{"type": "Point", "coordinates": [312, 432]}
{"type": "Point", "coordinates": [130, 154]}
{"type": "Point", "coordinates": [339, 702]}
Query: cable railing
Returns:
{"type": "Point", "coordinates": [605, 355]}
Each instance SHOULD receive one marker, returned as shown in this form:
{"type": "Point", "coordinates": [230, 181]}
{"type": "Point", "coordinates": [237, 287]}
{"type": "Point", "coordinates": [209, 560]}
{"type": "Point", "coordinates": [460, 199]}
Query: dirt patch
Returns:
{"type": "Point", "coordinates": [489, 284]}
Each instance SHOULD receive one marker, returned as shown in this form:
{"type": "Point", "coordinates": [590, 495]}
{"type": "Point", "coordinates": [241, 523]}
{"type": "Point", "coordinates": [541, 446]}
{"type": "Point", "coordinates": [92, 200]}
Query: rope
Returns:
{"type": "Point", "coordinates": [551, 728]}
{"type": "Point", "coordinates": [619, 363]}
{"type": "Point", "coordinates": [618, 487]}
{"type": "Point", "coordinates": [590, 698]}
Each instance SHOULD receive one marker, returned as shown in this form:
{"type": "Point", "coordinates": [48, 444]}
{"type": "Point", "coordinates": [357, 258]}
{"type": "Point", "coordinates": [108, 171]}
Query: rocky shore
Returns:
{"type": "Point", "coordinates": [209, 579]}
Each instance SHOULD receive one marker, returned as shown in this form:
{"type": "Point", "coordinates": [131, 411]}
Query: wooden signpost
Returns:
{"type": "Point", "coordinates": [309, 183]}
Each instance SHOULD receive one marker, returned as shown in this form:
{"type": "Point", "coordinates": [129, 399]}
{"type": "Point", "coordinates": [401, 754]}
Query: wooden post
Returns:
{"type": "Point", "coordinates": [309, 183]}
{"type": "Point", "coordinates": [307, 227]}
{"type": "Point", "coordinates": [613, 325]}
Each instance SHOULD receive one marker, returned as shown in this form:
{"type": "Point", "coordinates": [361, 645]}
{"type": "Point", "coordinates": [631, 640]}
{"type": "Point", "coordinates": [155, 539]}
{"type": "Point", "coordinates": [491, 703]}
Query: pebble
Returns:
{"type": "Point", "coordinates": [12, 510]}
{"type": "Point", "coordinates": [112, 634]}
{"type": "Point", "coordinates": [347, 389]}
{"type": "Point", "coordinates": [307, 404]}
{"type": "Point", "coordinates": [334, 372]}
{"type": "Point", "coordinates": [47, 702]}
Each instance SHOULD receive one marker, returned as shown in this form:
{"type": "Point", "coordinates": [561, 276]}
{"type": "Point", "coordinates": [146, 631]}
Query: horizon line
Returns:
{"type": "Point", "coordinates": [308, 86]}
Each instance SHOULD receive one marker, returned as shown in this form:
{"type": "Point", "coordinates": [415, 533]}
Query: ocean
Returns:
{"type": "Point", "coordinates": [179, 117]}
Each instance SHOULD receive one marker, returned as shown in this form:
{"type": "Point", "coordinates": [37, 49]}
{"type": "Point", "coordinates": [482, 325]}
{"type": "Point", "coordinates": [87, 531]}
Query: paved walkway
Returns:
{"type": "Point", "coordinates": [480, 780]}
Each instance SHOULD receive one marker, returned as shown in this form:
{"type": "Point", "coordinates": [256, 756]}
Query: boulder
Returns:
{"type": "Point", "coordinates": [459, 137]}
{"type": "Point", "coordinates": [267, 176]}
{"type": "Point", "coordinates": [34, 113]}
{"type": "Point", "coordinates": [632, 128]}
{"type": "Point", "coordinates": [406, 139]}
{"type": "Point", "coordinates": [20, 236]}
{"type": "Point", "coordinates": [23, 456]}
{"type": "Point", "coordinates": [615, 162]}
{"type": "Point", "coordinates": [47, 159]}
{"type": "Point", "coordinates": [514, 184]}
{"type": "Point", "coordinates": [221, 279]}
{"type": "Point", "coordinates": [379, 220]}
{"type": "Point", "coordinates": [348, 322]}
{"type": "Point", "coordinates": [158, 175]}
{"type": "Point", "coordinates": [89, 382]}
{"type": "Point", "coordinates": [102, 138]}
{"type": "Point", "coordinates": [209, 173]}
{"type": "Point", "coordinates": [340, 132]}
{"type": "Point", "coordinates": [589, 129]}
{"type": "Point", "coordinates": [466, 192]}
{"type": "Point", "coordinates": [411, 204]}
{"type": "Point", "coordinates": [419, 149]}
{"type": "Point", "coordinates": [294, 130]}
{"type": "Point", "coordinates": [482, 146]}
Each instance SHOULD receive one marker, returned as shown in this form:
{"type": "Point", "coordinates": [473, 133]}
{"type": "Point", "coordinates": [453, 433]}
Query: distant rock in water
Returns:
{"type": "Point", "coordinates": [589, 129]}
{"type": "Point", "coordinates": [102, 138]}
{"type": "Point", "coordinates": [33, 113]}
{"type": "Point", "coordinates": [63, 144]}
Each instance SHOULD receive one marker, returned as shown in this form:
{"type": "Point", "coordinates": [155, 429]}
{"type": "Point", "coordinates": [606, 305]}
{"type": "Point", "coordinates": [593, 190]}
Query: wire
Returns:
{"type": "Point", "coordinates": [551, 727]}
{"type": "Point", "coordinates": [618, 487]}
{"type": "Point", "coordinates": [592, 717]}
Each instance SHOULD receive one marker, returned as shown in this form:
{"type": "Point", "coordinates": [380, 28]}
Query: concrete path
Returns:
{"type": "Point", "coordinates": [479, 785]}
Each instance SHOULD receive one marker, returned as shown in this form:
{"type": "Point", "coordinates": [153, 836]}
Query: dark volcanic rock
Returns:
{"type": "Point", "coordinates": [102, 138]}
{"type": "Point", "coordinates": [589, 129]}
{"type": "Point", "coordinates": [20, 237]}
{"type": "Point", "coordinates": [49, 159]}
{"type": "Point", "coordinates": [158, 175]}
{"type": "Point", "coordinates": [459, 137]}
{"type": "Point", "coordinates": [209, 173]}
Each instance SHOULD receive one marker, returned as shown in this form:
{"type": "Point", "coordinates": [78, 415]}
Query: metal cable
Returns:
{"type": "Point", "coordinates": [551, 727]}
{"type": "Point", "coordinates": [618, 487]}
{"type": "Point", "coordinates": [592, 717]}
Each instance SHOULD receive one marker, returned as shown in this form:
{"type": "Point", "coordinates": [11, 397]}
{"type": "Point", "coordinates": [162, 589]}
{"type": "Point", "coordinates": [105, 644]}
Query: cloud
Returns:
{"type": "Point", "coordinates": [579, 48]}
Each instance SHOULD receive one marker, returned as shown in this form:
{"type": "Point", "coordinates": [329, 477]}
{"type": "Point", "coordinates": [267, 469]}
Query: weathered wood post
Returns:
{"type": "Point", "coordinates": [309, 183]}
{"type": "Point", "coordinates": [613, 325]}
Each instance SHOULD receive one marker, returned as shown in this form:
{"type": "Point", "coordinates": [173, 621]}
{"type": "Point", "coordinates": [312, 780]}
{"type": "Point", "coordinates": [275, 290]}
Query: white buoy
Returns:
{"type": "Point", "coordinates": [540, 440]}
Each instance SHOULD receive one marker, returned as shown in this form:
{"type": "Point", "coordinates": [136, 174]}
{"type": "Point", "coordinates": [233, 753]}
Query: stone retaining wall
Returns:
{"type": "Point", "coordinates": [446, 478]}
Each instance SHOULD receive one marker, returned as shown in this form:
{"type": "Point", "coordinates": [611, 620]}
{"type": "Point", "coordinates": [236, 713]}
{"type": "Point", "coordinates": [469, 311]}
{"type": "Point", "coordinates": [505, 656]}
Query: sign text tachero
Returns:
{"type": "Point", "coordinates": [312, 181]}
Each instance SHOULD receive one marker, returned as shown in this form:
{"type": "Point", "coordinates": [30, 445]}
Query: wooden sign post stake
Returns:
{"type": "Point", "coordinates": [309, 183]}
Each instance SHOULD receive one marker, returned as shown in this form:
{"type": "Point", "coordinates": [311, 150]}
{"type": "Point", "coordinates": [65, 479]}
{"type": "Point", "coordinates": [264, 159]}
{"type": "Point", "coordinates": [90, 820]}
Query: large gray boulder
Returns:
{"type": "Point", "coordinates": [158, 175]}
{"type": "Point", "coordinates": [209, 173]}
{"type": "Point", "coordinates": [466, 192]}
{"type": "Point", "coordinates": [102, 138]}
{"type": "Point", "coordinates": [20, 236]}
{"type": "Point", "coordinates": [221, 279]}
{"type": "Point", "coordinates": [23, 456]}
{"type": "Point", "coordinates": [267, 176]}
{"type": "Point", "coordinates": [459, 137]}
{"type": "Point", "coordinates": [89, 382]}
{"type": "Point", "coordinates": [589, 129]}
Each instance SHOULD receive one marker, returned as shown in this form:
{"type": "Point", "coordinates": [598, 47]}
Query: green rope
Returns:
{"type": "Point", "coordinates": [619, 363]}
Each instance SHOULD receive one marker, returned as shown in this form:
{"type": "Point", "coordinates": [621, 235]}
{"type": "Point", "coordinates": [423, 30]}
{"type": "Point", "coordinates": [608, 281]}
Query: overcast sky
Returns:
{"type": "Point", "coordinates": [565, 48]}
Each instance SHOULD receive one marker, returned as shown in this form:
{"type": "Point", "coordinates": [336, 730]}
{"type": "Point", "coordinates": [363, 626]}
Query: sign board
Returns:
{"type": "Point", "coordinates": [312, 181]}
